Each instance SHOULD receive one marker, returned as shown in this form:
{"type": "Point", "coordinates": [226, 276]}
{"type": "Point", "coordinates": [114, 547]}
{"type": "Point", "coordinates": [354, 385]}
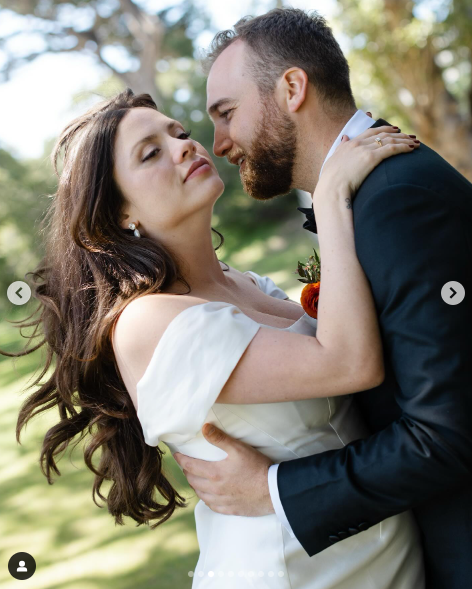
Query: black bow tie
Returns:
{"type": "Point", "coordinates": [310, 223]}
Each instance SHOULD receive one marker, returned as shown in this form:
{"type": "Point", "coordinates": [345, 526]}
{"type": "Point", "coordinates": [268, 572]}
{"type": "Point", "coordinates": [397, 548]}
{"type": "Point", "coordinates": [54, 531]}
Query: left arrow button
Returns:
{"type": "Point", "coordinates": [19, 292]}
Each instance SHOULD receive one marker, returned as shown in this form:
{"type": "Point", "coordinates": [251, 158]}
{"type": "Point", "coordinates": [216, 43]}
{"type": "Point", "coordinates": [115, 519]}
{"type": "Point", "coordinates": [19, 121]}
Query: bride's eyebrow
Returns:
{"type": "Point", "coordinates": [152, 136]}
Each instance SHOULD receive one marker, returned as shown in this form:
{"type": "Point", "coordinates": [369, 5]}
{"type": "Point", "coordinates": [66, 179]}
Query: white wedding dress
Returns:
{"type": "Point", "coordinates": [176, 396]}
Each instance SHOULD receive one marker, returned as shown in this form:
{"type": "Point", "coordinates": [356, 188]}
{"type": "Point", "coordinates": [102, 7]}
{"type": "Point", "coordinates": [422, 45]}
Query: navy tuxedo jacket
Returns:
{"type": "Point", "coordinates": [413, 233]}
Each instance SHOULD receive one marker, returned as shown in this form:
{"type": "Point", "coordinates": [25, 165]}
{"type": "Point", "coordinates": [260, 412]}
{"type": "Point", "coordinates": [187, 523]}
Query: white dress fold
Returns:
{"type": "Point", "coordinates": [176, 396]}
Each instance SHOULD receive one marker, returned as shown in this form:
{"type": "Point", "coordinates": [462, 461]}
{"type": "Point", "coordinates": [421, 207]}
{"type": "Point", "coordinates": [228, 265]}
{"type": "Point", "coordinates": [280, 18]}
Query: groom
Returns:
{"type": "Point", "coordinates": [280, 99]}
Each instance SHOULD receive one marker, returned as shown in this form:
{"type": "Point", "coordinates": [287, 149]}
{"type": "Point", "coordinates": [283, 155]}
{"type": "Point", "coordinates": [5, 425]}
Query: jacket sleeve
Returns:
{"type": "Point", "coordinates": [410, 242]}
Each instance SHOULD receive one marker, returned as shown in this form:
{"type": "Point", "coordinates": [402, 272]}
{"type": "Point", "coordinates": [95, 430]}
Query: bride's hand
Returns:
{"type": "Point", "coordinates": [353, 160]}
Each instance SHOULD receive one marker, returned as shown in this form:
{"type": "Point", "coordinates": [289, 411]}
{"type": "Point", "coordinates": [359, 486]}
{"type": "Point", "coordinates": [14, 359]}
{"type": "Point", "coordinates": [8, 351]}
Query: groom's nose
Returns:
{"type": "Point", "coordinates": [222, 143]}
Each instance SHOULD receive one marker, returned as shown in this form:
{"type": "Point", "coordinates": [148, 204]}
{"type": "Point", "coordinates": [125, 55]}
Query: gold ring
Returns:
{"type": "Point", "coordinates": [378, 141]}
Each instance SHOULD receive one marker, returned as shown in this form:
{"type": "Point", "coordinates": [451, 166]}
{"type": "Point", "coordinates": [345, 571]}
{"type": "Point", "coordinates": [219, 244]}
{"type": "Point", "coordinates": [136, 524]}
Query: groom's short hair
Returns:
{"type": "Point", "coordinates": [290, 37]}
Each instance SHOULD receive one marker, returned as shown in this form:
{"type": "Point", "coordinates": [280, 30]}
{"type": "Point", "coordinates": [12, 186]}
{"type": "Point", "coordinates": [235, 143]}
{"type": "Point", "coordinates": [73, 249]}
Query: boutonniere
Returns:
{"type": "Point", "coordinates": [310, 275]}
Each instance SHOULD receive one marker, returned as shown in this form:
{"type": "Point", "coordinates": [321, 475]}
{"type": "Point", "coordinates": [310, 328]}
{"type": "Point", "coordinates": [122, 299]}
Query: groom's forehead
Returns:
{"type": "Point", "coordinates": [227, 74]}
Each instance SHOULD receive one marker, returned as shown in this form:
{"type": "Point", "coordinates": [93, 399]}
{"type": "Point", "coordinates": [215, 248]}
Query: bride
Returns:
{"type": "Point", "coordinates": [152, 337]}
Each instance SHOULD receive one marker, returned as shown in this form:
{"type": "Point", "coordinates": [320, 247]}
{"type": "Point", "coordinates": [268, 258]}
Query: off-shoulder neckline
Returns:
{"type": "Point", "coordinates": [179, 316]}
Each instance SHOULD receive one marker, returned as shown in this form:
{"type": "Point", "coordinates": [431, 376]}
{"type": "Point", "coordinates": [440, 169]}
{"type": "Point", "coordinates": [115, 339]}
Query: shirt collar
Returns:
{"type": "Point", "coordinates": [356, 125]}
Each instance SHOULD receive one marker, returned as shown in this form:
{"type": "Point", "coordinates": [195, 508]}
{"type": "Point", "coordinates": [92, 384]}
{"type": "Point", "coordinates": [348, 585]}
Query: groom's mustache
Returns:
{"type": "Point", "coordinates": [234, 158]}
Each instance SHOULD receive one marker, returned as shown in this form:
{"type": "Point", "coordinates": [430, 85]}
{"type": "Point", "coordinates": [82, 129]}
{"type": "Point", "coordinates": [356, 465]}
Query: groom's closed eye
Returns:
{"type": "Point", "coordinates": [214, 109]}
{"type": "Point", "coordinates": [224, 114]}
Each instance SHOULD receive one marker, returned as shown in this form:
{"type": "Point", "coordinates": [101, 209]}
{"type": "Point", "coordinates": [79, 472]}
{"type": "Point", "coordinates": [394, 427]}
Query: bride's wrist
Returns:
{"type": "Point", "coordinates": [335, 193]}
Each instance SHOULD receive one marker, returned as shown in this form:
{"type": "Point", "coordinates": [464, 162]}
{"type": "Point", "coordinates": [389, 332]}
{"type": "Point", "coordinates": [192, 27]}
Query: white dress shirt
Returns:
{"type": "Point", "coordinates": [356, 125]}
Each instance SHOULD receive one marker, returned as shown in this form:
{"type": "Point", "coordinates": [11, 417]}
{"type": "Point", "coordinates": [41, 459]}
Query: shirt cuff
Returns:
{"type": "Point", "coordinates": [274, 495]}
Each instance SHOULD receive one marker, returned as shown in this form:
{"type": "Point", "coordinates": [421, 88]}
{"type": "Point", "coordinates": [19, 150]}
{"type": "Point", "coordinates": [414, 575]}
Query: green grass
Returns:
{"type": "Point", "coordinates": [75, 544]}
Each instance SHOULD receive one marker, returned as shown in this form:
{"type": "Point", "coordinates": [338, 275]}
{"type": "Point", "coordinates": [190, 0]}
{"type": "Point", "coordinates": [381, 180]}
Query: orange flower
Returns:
{"type": "Point", "coordinates": [309, 299]}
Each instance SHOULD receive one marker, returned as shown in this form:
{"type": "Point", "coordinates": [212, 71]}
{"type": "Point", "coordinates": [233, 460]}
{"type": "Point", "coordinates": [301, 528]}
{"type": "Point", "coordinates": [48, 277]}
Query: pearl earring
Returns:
{"type": "Point", "coordinates": [132, 226]}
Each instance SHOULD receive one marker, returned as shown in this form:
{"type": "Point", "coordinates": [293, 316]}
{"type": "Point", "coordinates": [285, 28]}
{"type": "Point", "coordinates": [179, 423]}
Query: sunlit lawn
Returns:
{"type": "Point", "coordinates": [75, 544]}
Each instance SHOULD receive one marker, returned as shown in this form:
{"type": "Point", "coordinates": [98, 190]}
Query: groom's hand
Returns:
{"type": "Point", "coordinates": [237, 485]}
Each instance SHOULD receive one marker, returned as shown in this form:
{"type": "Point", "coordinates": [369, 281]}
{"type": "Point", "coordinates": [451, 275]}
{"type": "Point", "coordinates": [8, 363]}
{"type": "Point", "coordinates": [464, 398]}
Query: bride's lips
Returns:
{"type": "Point", "coordinates": [198, 167]}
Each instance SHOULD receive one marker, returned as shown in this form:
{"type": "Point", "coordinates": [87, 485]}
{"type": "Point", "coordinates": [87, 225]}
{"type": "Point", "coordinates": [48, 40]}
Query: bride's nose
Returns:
{"type": "Point", "coordinates": [184, 149]}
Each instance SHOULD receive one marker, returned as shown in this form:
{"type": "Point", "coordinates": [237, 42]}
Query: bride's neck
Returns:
{"type": "Point", "coordinates": [197, 260]}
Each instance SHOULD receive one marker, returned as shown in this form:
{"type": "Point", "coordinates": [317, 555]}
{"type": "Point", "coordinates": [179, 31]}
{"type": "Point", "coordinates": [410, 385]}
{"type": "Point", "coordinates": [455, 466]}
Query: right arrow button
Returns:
{"type": "Point", "coordinates": [453, 293]}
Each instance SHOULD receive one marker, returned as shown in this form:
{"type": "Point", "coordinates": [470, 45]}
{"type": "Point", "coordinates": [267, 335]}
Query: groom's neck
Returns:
{"type": "Point", "coordinates": [318, 132]}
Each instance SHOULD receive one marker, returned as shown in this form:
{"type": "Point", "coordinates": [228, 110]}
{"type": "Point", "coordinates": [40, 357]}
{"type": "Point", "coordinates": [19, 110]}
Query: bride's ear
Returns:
{"type": "Point", "coordinates": [123, 220]}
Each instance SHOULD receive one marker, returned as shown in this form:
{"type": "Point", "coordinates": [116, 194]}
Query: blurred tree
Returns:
{"type": "Point", "coordinates": [121, 34]}
{"type": "Point", "coordinates": [182, 95]}
{"type": "Point", "coordinates": [413, 59]}
{"type": "Point", "coordinates": [24, 189]}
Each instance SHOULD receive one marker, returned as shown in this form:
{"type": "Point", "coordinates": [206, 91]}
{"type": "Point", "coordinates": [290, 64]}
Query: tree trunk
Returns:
{"type": "Point", "coordinates": [436, 114]}
{"type": "Point", "coordinates": [148, 32]}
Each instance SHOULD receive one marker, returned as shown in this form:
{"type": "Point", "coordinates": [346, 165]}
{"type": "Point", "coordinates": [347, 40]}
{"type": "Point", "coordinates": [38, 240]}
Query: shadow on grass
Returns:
{"type": "Point", "coordinates": [172, 572]}
{"type": "Point", "coordinates": [75, 543]}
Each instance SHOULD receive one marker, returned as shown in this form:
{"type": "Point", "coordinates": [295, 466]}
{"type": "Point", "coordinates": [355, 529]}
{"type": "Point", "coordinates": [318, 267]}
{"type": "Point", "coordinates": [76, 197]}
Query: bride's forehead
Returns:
{"type": "Point", "coordinates": [144, 115]}
{"type": "Point", "coordinates": [140, 122]}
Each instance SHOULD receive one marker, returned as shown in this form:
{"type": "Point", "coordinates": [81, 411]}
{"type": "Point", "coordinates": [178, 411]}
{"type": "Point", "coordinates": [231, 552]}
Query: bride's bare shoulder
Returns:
{"type": "Point", "coordinates": [148, 316]}
{"type": "Point", "coordinates": [139, 328]}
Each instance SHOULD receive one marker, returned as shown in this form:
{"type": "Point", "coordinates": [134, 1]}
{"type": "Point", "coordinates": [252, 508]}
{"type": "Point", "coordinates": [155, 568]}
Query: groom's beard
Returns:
{"type": "Point", "coordinates": [268, 168]}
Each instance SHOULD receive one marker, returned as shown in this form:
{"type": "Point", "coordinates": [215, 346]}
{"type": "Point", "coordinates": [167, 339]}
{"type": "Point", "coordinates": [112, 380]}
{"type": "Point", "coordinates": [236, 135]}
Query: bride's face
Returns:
{"type": "Point", "coordinates": [153, 158]}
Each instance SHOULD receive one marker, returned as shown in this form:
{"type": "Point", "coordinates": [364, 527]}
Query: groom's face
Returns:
{"type": "Point", "coordinates": [251, 130]}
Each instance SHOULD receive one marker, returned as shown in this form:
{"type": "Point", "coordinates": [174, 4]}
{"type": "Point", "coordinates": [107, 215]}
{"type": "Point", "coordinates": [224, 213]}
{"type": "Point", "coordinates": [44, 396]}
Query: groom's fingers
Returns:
{"type": "Point", "coordinates": [218, 437]}
{"type": "Point", "coordinates": [195, 466]}
{"type": "Point", "coordinates": [208, 498]}
{"type": "Point", "coordinates": [201, 484]}
{"type": "Point", "coordinates": [218, 504]}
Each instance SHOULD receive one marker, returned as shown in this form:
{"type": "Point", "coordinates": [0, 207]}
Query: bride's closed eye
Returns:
{"type": "Point", "coordinates": [151, 154]}
{"type": "Point", "coordinates": [185, 134]}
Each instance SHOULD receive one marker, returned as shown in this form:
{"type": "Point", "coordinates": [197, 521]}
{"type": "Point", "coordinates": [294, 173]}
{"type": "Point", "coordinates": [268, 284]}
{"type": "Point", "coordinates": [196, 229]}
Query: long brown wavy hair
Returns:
{"type": "Point", "coordinates": [92, 268]}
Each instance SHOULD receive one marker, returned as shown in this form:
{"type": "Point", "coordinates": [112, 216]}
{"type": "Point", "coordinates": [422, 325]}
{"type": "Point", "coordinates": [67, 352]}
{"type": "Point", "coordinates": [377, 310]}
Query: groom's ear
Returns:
{"type": "Point", "coordinates": [292, 88]}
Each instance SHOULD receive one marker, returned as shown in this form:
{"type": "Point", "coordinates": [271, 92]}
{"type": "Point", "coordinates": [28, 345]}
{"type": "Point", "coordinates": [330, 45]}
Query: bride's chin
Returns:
{"type": "Point", "coordinates": [219, 188]}
{"type": "Point", "coordinates": [210, 195]}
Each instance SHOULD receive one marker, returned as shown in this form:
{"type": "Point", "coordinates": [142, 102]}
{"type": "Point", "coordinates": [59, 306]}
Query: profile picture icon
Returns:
{"type": "Point", "coordinates": [22, 565]}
